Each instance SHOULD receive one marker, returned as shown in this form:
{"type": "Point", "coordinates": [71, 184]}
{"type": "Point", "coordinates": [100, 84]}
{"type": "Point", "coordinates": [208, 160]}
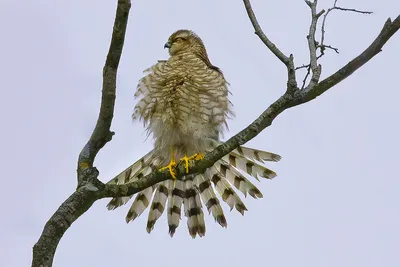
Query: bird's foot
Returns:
{"type": "Point", "coordinates": [197, 156]}
{"type": "Point", "coordinates": [171, 167]}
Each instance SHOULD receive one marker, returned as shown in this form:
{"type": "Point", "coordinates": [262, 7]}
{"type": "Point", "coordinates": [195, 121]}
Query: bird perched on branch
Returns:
{"type": "Point", "coordinates": [184, 104]}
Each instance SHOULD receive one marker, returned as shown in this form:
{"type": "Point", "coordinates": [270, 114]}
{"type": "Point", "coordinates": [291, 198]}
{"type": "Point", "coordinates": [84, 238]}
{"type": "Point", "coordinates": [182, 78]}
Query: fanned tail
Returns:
{"type": "Point", "coordinates": [225, 175]}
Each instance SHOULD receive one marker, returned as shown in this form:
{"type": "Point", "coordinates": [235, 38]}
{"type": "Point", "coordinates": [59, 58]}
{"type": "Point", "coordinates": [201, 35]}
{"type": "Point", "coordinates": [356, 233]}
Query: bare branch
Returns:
{"type": "Point", "coordinates": [89, 188]}
{"type": "Point", "coordinates": [102, 134]}
{"type": "Point", "coordinates": [271, 46]}
{"type": "Point", "coordinates": [288, 61]}
{"type": "Point", "coordinates": [388, 30]}
{"type": "Point", "coordinates": [315, 68]}
{"type": "Point", "coordinates": [305, 77]}
{"type": "Point", "coordinates": [335, 7]}
{"type": "Point", "coordinates": [72, 208]}
{"type": "Point", "coordinates": [322, 47]}
{"type": "Point", "coordinates": [353, 10]}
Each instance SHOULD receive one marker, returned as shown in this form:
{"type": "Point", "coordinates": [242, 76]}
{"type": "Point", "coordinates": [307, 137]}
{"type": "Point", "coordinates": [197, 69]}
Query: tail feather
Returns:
{"type": "Point", "coordinates": [158, 205]}
{"type": "Point", "coordinates": [140, 203]}
{"type": "Point", "coordinates": [132, 171]}
{"type": "Point", "coordinates": [237, 179]}
{"type": "Point", "coordinates": [193, 210]}
{"type": "Point", "coordinates": [247, 165]}
{"type": "Point", "coordinates": [226, 192]}
{"type": "Point", "coordinates": [255, 154]}
{"type": "Point", "coordinates": [209, 198]}
{"type": "Point", "coordinates": [175, 200]}
{"type": "Point", "coordinates": [142, 167]}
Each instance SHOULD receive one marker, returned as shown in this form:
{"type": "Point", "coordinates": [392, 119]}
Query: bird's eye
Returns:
{"type": "Point", "coordinates": [179, 39]}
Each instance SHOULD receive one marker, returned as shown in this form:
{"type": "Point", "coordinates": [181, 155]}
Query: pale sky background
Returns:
{"type": "Point", "coordinates": [335, 201]}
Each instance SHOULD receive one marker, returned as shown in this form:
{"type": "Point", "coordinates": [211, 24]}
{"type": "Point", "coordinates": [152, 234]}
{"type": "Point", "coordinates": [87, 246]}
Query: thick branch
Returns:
{"type": "Point", "coordinates": [89, 188]}
{"type": "Point", "coordinates": [77, 204]}
{"type": "Point", "coordinates": [102, 134]}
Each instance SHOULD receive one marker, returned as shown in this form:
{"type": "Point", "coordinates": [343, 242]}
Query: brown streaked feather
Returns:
{"type": "Point", "coordinates": [193, 210]}
{"type": "Point", "coordinates": [158, 205]}
{"type": "Point", "coordinates": [226, 192]}
{"type": "Point", "coordinates": [209, 198]}
{"type": "Point", "coordinates": [175, 201]}
{"type": "Point", "coordinates": [140, 203]}
{"type": "Point", "coordinates": [236, 179]}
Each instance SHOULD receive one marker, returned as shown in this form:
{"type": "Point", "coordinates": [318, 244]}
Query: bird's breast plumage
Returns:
{"type": "Point", "coordinates": [183, 102]}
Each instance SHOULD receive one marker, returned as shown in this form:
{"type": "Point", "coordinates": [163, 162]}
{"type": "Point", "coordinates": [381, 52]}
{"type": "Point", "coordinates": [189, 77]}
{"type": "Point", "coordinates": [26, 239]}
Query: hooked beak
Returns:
{"type": "Point", "coordinates": [167, 45]}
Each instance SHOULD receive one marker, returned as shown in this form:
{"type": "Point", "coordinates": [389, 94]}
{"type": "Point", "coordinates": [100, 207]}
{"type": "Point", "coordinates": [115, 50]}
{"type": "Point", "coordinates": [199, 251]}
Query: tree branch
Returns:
{"type": "Point", "coordinates": [322, 45]}
{"type": "Point", "coordinates": [89, 188]}
{"type": "Point", "coordinates": [102, 134]}
{"type": "Point", "coordinates": [288, 61]}
{"type": "Point", "coordinates": [388, 30]}
{"type": "Point", "coordinates": [315, 68]}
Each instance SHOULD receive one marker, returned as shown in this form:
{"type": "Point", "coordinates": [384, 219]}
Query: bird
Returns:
{"type": "Point", "coordinates": [184, 104]}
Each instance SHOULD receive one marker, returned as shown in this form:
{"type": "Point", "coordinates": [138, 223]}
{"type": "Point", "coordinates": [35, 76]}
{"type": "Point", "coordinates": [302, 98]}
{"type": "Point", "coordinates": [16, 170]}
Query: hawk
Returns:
{"type": "Point", "coordinates": [183, 102]}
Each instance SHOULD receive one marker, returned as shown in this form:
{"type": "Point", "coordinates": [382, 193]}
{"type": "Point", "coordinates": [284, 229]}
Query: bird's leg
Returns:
{"type": "Point", "coordinates": [171, 165]}
{"type": "Point", "coordinates": [197, 156]}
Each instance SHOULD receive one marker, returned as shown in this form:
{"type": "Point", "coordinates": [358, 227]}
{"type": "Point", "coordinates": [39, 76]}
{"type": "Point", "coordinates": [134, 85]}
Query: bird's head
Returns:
{"type": "Point", "coordinates": [184, 40]}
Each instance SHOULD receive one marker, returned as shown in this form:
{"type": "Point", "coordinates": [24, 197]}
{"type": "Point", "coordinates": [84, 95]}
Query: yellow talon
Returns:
{"type": "Point", "coordinates": [170, 167]}
{"type": "Point", "coordinates": [197, 156]}
{"type": "Point", "coordinates": [186, 160]}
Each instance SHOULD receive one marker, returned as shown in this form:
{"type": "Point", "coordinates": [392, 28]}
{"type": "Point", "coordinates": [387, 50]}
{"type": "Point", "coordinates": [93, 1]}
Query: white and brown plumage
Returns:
{"type": "Point", "coordinates": [184, 104]}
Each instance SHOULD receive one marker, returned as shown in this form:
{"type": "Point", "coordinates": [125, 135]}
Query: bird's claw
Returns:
{"type": "Point", "coordinates": [197, 156]}
{"type": "Point", "coordinates": [171, 167]}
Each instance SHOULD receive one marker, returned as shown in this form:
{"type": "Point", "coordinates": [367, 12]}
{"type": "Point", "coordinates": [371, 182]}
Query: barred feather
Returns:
{"type": "Point", "coordinates": [250, 167]}
{"type": "Point", "coordinates": [235, 178]}
{"type": "Point", "coordinates": [140, 203]}
{"type": "Point", "coordinates": [140, 168]}
{"type": "Point", "coordinates": [158, 205]}
{"type": "Point", "coordinates": [226, 192]}
{"type": "Point", "coordinates": [193, 210]}
{"type": "Point", "coordinates": [175, 200]}
{"type": "Point", "coordinates": [209, 198]}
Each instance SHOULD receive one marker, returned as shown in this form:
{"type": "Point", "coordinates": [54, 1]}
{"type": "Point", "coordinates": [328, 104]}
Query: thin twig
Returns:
{"type": "Point", "coordinates": [388, 30]}
{"type": "Point", "coordinates": [306, 76]}
{"type": "Point", "coordinates": [335, 7]}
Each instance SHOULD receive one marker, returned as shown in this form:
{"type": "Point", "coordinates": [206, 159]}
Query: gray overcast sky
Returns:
{"type": "Point", "coordinates": [335, 201]}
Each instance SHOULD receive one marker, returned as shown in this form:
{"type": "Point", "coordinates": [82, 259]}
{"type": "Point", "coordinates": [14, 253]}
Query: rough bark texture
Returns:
{"type": "Point", "coordinates": [90, 189]}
